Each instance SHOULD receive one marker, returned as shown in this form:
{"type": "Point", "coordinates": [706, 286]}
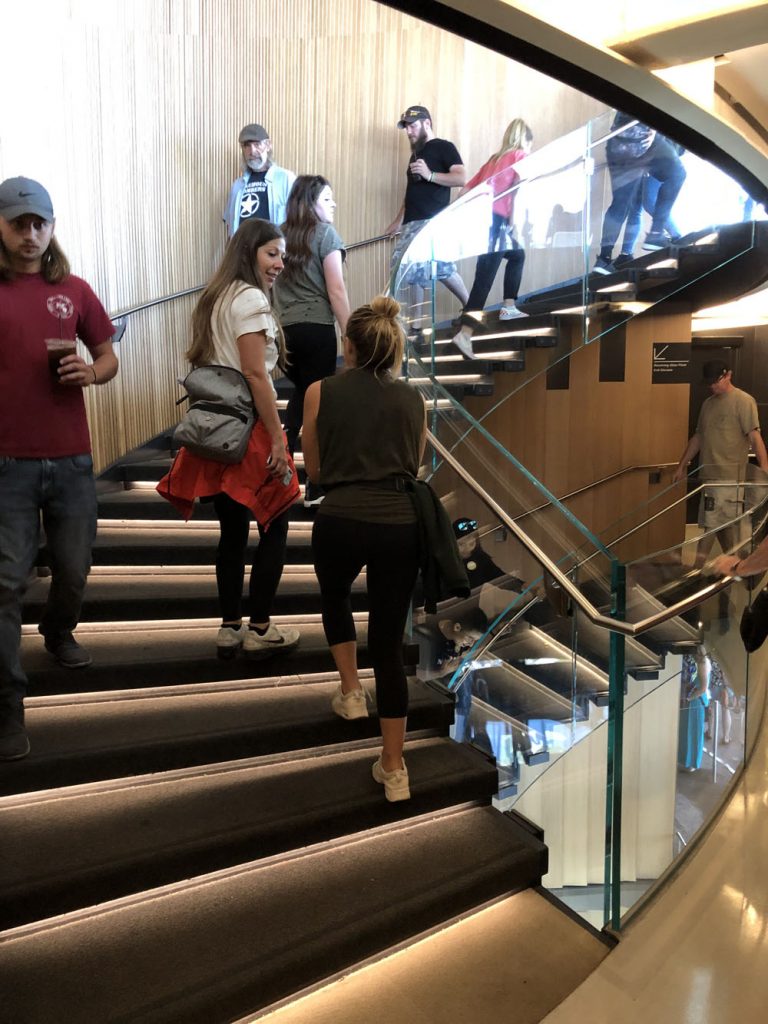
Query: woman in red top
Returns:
{"type": "Point", "coordinates": [515, 145]}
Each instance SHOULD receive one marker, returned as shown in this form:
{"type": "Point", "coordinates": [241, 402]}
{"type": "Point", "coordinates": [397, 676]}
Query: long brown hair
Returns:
{"type": "Point", "coordinates": [54, 265]}
{"type": "Point", "coordinates": [377, 335]}
{"type": "Point", "coordinates": [238, 264]}
{"type": "Point", "coordinates": [301, 221]}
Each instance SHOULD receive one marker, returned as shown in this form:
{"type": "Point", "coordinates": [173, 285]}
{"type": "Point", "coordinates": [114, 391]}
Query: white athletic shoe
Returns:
{"type": "Point", "coordinates": [276, 639]}
{"type": "Point", "coordinates": [463, 342]}
{"type": "Point", "coordinates": [228, 642]}
{"type": "Point", "coordinates": [395, 783]}
{"type": "Point", "coordinates": [350, 705]}
{"type": "Point", "coordinates": [511, 312]}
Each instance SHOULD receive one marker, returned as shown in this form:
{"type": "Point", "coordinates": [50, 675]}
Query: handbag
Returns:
{"type": "Point", "coordinates": [221, 414]}
{"type": "Point", "coordinates": [754, 623]}
{"type": "Point", "coordinates": [633, 142]}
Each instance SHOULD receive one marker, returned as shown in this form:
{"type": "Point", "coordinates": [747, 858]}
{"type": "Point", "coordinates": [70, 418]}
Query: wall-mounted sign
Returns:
{"type": "Point", "coordinates": [671, 362]}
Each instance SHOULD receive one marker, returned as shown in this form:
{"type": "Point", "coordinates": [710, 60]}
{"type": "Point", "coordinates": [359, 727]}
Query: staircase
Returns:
{"type": "Point", "coordinates": [194, 839]}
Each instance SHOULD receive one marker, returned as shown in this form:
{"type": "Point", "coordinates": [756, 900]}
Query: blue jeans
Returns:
{"type": "Point", "coordinates": [662, 163]}
{"type": "Point", "coordinates": [63, 492]}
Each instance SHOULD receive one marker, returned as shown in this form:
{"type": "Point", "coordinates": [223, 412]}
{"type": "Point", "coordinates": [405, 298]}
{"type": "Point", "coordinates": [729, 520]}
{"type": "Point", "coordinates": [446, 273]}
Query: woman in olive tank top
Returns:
{"type": "Point", "coordinates": [364, 431]}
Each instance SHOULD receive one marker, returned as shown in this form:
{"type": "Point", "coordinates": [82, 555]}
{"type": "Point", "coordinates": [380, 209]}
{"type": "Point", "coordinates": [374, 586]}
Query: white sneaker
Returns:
{"type": "Point", "coordinates": [228, 642]}
{"type": "Point", "coordinates": [463, 342]}
{"type": "Point", "coordinates": [395, 783]}
{"type": "Point", "coordinates": [511, 312]}
{"type": "Point", "coordinates": [313, 495]}
{"type": "Point", "coordinates": [277, 638]}
{"type": "Point", "coordinates": [350, 705]}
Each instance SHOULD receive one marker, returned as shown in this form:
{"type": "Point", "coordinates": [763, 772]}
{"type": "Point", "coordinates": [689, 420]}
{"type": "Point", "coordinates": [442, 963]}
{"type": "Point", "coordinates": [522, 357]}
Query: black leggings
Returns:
{"type": "Point", "coordinates": [390, 553]}
{"type": "Point", "coordinates": [266, 568]}
{"type": "Point", "coordinates": [311, 350]}
{"type": "Point", "coordinates": [489, 262]}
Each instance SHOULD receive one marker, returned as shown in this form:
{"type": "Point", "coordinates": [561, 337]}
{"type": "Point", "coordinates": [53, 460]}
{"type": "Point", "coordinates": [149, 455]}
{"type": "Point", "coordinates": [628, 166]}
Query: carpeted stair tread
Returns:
{"type": "Point", "coordinates": [118, 597]}
{"type": "Point", "coordinates": [223, 946]}
{"type": "Point", "coordinates": [169, 657]}
{"type": "Point", "coordinates": [180, 545]}
{"type": "Point", "coordinates": [85, 845]}
{"type": "Point", "coordinates": [101, 736]}
{"type": "Point", "coordinates": [147, 504]}
{"type": "Point", "coordinates": [153, 468]}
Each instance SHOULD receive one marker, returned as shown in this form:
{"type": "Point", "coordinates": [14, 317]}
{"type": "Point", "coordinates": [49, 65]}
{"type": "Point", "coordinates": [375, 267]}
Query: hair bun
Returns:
{"type": "Point", "coordinates": [386, 306]}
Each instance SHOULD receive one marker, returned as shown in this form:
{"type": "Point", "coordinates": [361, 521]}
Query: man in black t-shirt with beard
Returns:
{"type": "Point", "coordinates": [434, 169]}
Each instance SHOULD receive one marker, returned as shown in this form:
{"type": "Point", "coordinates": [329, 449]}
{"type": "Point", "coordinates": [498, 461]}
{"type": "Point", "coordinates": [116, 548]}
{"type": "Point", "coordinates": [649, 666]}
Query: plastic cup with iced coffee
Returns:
{"type": "Point", "coordinates": [57, 349]}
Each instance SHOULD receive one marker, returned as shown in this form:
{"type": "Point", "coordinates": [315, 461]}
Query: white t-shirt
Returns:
{"type": "Point", "coordinates": [242, 309]}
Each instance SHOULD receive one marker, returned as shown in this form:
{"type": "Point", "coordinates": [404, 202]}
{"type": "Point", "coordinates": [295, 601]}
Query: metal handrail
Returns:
{"type": "Point", "coordinates": [595, 483]}
{"type": "Point", "coordinates": [573, 592]}
{"type": "Point", "coordinates": [199, 287]}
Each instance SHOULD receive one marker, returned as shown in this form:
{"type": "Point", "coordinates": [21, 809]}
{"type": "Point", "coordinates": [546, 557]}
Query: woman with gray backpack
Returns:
{"type": "Point", "coordinates": [235, 332]}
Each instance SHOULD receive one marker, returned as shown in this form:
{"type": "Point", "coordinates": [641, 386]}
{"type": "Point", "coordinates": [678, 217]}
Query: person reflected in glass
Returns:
{"type": "Point", "coordinates": [310, 294]}
{"type": "Point", "coordinates": [694, 701]}
{"type": "Point", "coordinates": [502, 177]}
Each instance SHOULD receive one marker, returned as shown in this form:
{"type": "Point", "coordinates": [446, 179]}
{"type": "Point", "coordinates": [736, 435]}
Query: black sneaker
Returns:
{"type": "Point", "coordinates": [623, 259]}
{"type": "Point", "coordinates": [14, 744]}
{"type": "Point", "coordinates": [656, 240]}
{"type": "Point", "coordinates": [603, 266]}
{"type": "Point", "coordinates": [67, 651]}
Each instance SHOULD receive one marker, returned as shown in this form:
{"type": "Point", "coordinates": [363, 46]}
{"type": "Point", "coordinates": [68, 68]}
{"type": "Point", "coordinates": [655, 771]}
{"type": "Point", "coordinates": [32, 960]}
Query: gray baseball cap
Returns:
{"type": "Point", "coordinates": [253, 133]}
{"type": "Point", "coordinates": [23, 195]}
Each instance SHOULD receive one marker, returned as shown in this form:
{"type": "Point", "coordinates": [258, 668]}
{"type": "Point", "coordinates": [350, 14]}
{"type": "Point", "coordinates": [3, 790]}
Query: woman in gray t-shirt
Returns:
{"type": "Point", "coordinates": [310, 295]}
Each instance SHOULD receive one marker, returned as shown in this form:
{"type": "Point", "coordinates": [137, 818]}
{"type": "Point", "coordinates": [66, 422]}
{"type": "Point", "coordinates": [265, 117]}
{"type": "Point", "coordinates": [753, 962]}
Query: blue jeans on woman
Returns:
{"type": "Point", "coordinates": [62, 491]}
{"type": "Point", "coordinates": [661, 162]}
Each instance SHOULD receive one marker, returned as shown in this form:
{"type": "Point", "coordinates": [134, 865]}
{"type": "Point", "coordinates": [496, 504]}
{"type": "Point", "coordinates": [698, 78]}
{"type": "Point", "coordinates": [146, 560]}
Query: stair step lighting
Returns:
{"type": "Point", "coordinates": [206, 525]}
{"type": "Point", "coordinates": [453, 378]}
{"type": "Point", "coordinates": [625, 286]}
{"type": "Point", "coordinates": [159, 625]}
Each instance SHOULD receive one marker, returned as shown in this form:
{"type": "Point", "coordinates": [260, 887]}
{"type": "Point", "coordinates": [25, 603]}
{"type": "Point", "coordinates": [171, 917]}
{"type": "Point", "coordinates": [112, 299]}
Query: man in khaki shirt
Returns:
{"type": "Point", "coordinates": [727, 427]}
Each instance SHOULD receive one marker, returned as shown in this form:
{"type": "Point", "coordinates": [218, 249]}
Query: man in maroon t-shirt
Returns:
{"type": "Point", "coordinates": [46, 467]}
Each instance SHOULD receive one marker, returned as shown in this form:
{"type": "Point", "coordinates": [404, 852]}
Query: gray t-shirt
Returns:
{"type": "Point", "coordinates": [723, 426]}
{"type": "Point", "coordinates": [304, 300]}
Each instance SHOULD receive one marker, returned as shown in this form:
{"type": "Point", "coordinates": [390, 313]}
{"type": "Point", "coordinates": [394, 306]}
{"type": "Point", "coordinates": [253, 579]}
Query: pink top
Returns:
{"type": "Point", "coordinates": [504, 177]}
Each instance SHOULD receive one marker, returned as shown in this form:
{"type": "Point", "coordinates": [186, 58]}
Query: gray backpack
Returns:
{"type": "Point", "coordinates": [221, 414]}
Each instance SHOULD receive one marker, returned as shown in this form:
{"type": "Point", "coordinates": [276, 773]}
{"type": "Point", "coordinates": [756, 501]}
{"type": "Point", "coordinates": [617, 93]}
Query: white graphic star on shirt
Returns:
{"type": "Point", "coordinates": [249, 205]}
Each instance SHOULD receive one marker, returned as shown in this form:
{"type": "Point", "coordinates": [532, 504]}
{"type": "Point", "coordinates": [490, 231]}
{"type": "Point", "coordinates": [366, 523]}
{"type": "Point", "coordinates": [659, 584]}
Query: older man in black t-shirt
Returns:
{"type": "Point", "coordinates": [434, 169]}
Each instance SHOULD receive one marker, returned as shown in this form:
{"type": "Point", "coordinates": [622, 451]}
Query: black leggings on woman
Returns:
{"type": "Point", "coordinates": [489, 262]}
{"type": "Point", "coordinates": [266, 568]}
{"type": "Point", "coordinates": [390, 553]}
{"type": "Point", "coordinates": [311, 351]}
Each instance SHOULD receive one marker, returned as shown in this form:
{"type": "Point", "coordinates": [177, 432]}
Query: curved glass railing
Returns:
{"type": "Point", "coordinates": [589, 727]}
{"type": "Point", "coordinates": [552, 214]}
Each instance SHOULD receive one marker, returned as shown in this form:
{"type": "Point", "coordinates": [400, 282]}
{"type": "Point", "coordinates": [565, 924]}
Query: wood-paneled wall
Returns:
{"type": "Point", "coordinates": [573, 437]}
{"type": "Point", "coordinates": [130, 115]}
